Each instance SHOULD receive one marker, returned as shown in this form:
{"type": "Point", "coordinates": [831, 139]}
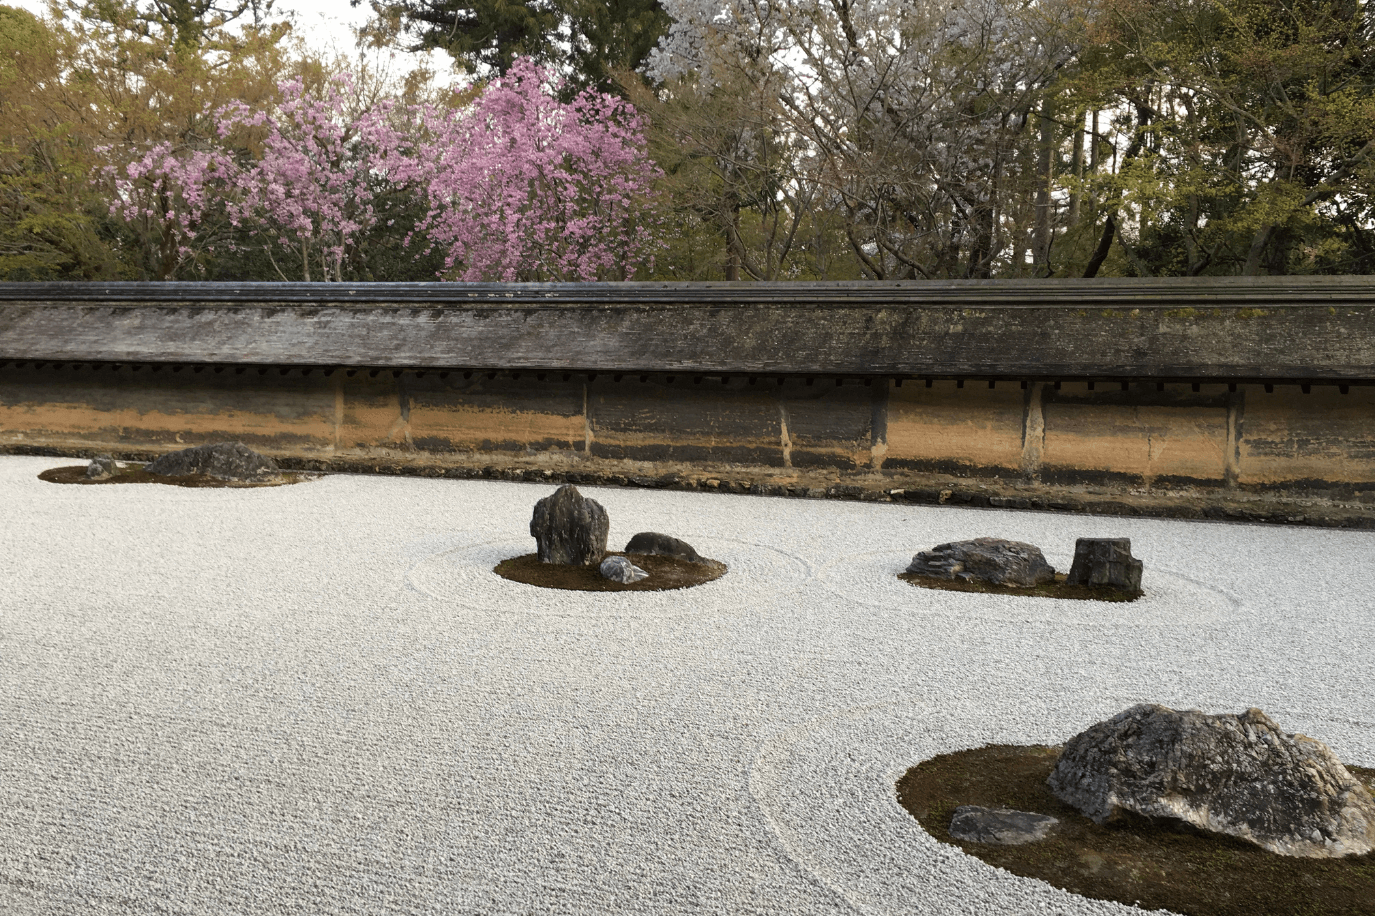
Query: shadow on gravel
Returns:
{"type": "Point", "coordinates": [665, 574]}
{"type": "Point", "coordinates": [77, 475]}
{"type": "Point", "coordinates": [1154, 864]}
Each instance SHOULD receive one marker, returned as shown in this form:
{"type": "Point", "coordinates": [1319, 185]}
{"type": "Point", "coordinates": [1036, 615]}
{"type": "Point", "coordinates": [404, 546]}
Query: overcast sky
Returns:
{"type": "Point", "coordinates": [321, 23]}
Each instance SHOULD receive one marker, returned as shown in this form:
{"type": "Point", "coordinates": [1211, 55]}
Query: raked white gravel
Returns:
{"type": "Point", "coordinates": [318, 699]}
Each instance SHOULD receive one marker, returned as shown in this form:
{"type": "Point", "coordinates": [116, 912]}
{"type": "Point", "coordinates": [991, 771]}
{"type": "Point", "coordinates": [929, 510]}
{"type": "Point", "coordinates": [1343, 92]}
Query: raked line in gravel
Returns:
{"type": "Point", "coordinates": [318, 699]}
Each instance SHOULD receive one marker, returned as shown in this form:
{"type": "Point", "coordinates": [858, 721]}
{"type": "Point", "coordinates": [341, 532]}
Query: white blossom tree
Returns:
{"type": "Point", "coordinates": [919, 116]}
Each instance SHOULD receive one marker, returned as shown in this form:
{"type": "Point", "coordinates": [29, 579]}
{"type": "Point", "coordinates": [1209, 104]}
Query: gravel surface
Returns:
{"type": "Point", "coordinates": [319, 699]}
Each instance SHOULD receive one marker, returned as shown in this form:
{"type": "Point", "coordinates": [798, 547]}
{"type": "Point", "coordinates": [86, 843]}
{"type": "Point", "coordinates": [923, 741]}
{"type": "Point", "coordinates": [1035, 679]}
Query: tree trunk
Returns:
{"type": "Point", "coordinates": [1076, 166]}
{"type": "Point", "coordinates": [1040, 248]}
{"type": "Point", "coordinates": [1100, 254]}
{"type": "Point", "coordinates": [1255, 257]}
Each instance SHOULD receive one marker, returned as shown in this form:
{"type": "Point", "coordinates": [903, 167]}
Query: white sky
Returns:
{"type": "Point", "coordinates": [323, 24]}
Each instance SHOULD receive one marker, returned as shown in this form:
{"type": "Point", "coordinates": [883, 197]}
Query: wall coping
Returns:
{"type": "Point", "coordinates": [1232, 329]}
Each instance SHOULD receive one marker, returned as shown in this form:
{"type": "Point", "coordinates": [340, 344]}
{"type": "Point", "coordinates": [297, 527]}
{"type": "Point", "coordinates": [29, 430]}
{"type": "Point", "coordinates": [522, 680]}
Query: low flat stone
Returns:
{"type": "Point", "coordinates": [225, 460]}
{"type": "Point", "coordinates": [569, 528]}
{"type": "Point", "coordinates": [1237, 775]}
{"type": "Point", "coordinates": [1000, 826]}
{"type": "Point", "coordinates": [619, 569]}
{"type": "Point", "coordinates": [101, 467]}
{"type": "Point", "coordinates": [992, 560]}
{"type": "Point", "coordinates": [648, 542]}
{"type": "Point", "coordinates": [1106, 562]}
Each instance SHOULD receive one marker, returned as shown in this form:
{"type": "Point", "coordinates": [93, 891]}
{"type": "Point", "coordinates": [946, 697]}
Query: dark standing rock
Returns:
{"type": "Point", "coordinates": [1232, 774]}
{"type": "Point", "coordinates": [1106, 562]}
{"type": "Point", "coordinates": [664, 546]}
{"type": "Point", "coordinates": [225, 460]}
{"type": "Point", "coordinates": [569, 528]}
{"type": "Point", "coordinates": [1000, 826]}
{"type": "Point", "coordinates": [101, 467]}
{"type": "Point", "coordinates": [991, 560]}
{"type": "Point", "coordinates": [619, 569]}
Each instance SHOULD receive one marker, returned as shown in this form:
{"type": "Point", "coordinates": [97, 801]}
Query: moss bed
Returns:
{"type": "Point", "coordinates": [665, 573]}
{"type": "Point", "coordinates": [1155, 864]}
{"type": "Point", "coordinates": [1060, 588]}
{"type": "Point", "coordinates": [77, 475]}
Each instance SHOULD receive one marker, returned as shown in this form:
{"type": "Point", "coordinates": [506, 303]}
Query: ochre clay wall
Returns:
{"type": "Point", "coordinates": [1151, 435]}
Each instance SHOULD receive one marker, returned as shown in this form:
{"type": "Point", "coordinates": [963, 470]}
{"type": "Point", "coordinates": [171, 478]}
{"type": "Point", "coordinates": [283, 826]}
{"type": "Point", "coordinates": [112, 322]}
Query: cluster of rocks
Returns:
{"type": "Point", "coordinates": [1235, 775]}
{"type": "Point", "coordinates": [571, 529]}
{"type": "Point", "coordinates": [1106, 562]}
{"type": "Point", "coordinates": [224, 460]}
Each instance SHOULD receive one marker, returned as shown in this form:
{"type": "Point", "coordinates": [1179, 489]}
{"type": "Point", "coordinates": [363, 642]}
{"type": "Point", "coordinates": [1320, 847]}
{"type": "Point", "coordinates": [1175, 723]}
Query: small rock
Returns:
{"type": "Point", "coordinates": [101, 468]}
{"type": "Point", "coordinates": [225, 460]}
{"type": "Point", "coordinates": [991, 560]}
{"type": "Point", "coordinates": [619, 569]}
{"type": "Point", "coordinates": [1106, 562]}
{"type": "Point", "coordinates": [1000, 826]}
{"type": "Point", "coordinates": [569, 528]}
{"type": "Point", "coordinates": [1238, 775]}
{"type": "Point", "coordinates": [664, 546]}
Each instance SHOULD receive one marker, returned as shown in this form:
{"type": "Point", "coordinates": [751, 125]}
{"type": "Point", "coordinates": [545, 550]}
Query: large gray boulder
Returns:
{"type": "Point", "coordinates": [569, 528]}
{"type": "Point", "coordinates": [1106, 562]}
{"type": "Point", "coordinates": [1000, 826]}
{"type": "Point", "coordinates": [1238, 775]}
{"type": "Point", "coordinates": [991, 560]}
{"type": "Point", "coordinates": [225, 460]}
{"type": "Point", "coordinates": [649, 542]}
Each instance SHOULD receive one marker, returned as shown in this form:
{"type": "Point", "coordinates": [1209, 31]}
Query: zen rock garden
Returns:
{"type": "Point", "coordinates": [1180, 810]}
{"type": "Point", "coordinates": [222, 464]}
{"type": "Point", "coordinates": [570, 532]}
{"type": "Point", "coordinates": [1196, 813]}
{"type": "Point", "coordinates": [1103, 569]}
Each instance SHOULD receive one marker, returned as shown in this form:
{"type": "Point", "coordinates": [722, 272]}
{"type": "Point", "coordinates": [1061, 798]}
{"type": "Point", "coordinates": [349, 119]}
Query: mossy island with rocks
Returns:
{"type": "Point", "coordinates": [570, 532]}
{"type": "Point", "coordinates": [221, 464]}
{"type": "Point", "coordinates": [1206, 815]}
{"type": "Point", "coordinates": [1103, 570]}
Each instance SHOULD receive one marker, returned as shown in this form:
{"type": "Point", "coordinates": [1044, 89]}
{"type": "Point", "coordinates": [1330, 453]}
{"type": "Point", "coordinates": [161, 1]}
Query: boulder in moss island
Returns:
{"type": "Point", "coordinates": [102, 467]}
{"type": "Point", "coordinates": [1000, 826]}
{"type": "Point", "coordinates": [569, 528]}
{"type": "Point", "coordinates": [225, 460]}
{"type": "Point", "coordinates": [1237, 775]}
{"type": "Point", "coordinates": [991, 560]}
{"type": "Point", "coordinates": [654, 544]}
{"type": "Point", "coordinates": [619, 569]}
{"type": "Point", "coordinates": [1106, 562]}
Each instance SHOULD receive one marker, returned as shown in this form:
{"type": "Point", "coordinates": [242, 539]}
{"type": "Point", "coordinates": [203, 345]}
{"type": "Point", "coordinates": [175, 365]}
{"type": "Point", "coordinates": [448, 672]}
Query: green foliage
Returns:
{"type": "Point", "coordinates": [591, 39]}
{"type": "Point", "coordinates": [1254, 124]}
{"type": "Point", "coordinates": [51, 221]}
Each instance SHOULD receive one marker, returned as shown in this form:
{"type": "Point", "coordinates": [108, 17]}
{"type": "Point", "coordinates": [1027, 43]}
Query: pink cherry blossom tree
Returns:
{"type": "Point", "coordinates": [523, 186]}
{"type": "Point", "coordinates": [169, 193]}
{"type": "Point", "coordinates": [516, 185]}
{"type": "Point", "coordinates": [321, 179]}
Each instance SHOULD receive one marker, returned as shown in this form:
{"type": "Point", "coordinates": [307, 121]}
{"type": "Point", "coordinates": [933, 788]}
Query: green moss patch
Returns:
{"type": "Point", "coordinates": [665, 573]}
{"type": "Point", "coordinates": [77, 474]}
{"type": "Point", "coordinates": [1060, 588]}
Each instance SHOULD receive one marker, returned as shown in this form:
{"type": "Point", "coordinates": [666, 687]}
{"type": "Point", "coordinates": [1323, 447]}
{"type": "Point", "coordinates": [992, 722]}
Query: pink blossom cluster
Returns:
{"type": "Point", "coordinates": [170, 191]}
{"type": "Point", "coordinates": [515, 186]}
{"type": "Point", "coordinates": [523, 186]}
